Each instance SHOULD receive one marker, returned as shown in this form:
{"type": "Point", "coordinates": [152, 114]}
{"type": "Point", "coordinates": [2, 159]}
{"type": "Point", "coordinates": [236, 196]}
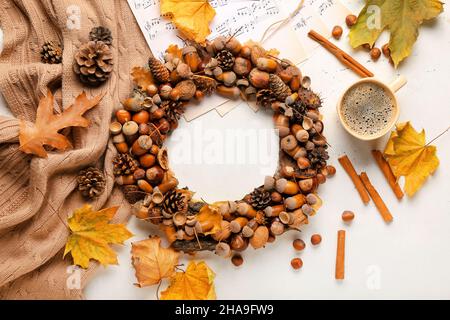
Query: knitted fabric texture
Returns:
{"type": "Point", "coordinates": [37, 195]}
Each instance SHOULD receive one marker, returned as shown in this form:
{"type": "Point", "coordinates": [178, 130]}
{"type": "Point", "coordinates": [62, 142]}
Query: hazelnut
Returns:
{"type": "Point", "coordinates": [242, 66]}
{"type": "Point", "coordinates": [350, 20]}
{"type": "Point", "coordinates": [316, 239]}
{"type": "Point", "coordinates": [299, 244]}
{"type": "Point", "coordinates": [331, 170]}
{"type": "Point", "coordinates": [151, 90]}
{"type": "Point", "coordinates": [144, 129]}
{"type": "Point", "coordinates": [139, 174]}
{"type": "Point", "coordinates": [296, 263]}
{"type": "Point", "coordinates": [266, 64]}
{"type": "Point", "coordinates": [123, 116]}
{"type": "Point", "coordinates": [237, 260]}
{"type": "Point", "coordinates": [164, 91]}
{"type": "Point", "coordinates": [141, 117]}
{"type": "Point", "coordinates": [147, 160]}
{"type": "Point", "coordinates": [259, 79]}
{"type": "Point", "coordinates": [337, 32]}
{"type": "Point", "coordinates": [375, 54]}
{"type": "Point", "coordinates": [348, 216]}
{"type": "Point", "coordinates": [386, 50]}
{"type": "Point", "coordinates": [155, 175]}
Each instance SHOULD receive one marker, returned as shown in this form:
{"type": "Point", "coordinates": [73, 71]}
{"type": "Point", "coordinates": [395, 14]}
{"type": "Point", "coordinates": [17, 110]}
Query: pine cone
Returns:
{"type": "Point", "coordinates": [206, 85]}
{"type": "Point", "coordinates": [279, 88]}
{"type": "Point", "coordinates": [265, 98]}
{"type": "Point", "coordinates": [101, 34]}
{"type": "Point", "coordinates": [175, 201]}
{"type": "Point", "coordinates": [51, 53]}
{"type": "Point", "coordinates": [225, 59]}
{"type": "Point", "coordinates": [260, 199]}
{"type": "Point", "coordinates": [174, 110]}
{"type": "Point", "coordinates": [91, 182]}
{"type": "Point", "coordinates": [318, 157]}
{"type": "Point", "coordinates": [93, 63]}
{"type": "Point", "coordinates": [124, 165]}
{"type": "Point", "coordinates": [309, 98]}
{"type": "Point", "coordinates": [133, 194]}
{"type": "Point", "coordinates": [298, 112]}
{"type": "Point", "coordinates": [158, 70]}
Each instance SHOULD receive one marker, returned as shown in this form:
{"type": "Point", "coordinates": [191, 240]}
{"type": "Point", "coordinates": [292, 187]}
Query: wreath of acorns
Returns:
{"type": "Point", "coordinates": [151, 113]}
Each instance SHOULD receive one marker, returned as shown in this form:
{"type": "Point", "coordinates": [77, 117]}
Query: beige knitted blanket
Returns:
{"type": "Point", "coordinates": [37, 195]}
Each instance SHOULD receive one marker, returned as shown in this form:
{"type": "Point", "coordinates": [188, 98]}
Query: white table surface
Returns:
{"type": "Point", "coordinates": [409, 258]}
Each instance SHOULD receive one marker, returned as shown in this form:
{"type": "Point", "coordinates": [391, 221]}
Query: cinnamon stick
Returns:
{"type": "Point", "coordinates": [341, 55]}
{"type": "Point", "coordinates": [340, 256]}
{"type": "Point", "coordinates": [379, 203]}
{"type": "Point", "coordinates": [388, 174]}
{"type": "Point", "coordinates": [348, 167]}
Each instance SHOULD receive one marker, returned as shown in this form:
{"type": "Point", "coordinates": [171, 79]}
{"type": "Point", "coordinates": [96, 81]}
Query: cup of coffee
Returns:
{"type": "Point", "coordinates": [368, 109]}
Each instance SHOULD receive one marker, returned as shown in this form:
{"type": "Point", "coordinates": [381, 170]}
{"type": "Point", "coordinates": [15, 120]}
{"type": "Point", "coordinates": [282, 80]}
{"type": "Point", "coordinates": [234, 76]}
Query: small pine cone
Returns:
{"type": "Point", "coordinates": [158, 70]}
{"type": "Point", "coordinates": [91, 182]}
{"type": "Point", "coordinates": [260, 199]}
{"type": "Point", "coordinates": [279, 88]}
{"type": "Point", "coordinates": [318, 157]}
{"type": "Point", "coordinates": [93, 63]}
{"type": "Point", "coordinates": [206, 85]}
{"type": "Point", "coordinates": [175, 201]}
{"type": "Point", "coordinates": [309, 98]}
{"type": "Point", "coordinates": [124, 165]}
{"type": "Point", "coordinates": [265, 98]}
{"type": "Point", "coordinates": [133, 194]}
{"type": "Point", "coordinates": [51, 53]}
{"type": "Point", "coordinates": [173, 110]}
{"type": "Point", "coordinates": [298, 112]}
{"type": "Point", "coordinates": [225, 59]}
{"type": "Point", "coordinates": [101, 34]}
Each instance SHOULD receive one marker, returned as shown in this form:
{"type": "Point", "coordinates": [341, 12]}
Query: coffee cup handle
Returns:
{"type": "Point", "coordinates": [398, 83]}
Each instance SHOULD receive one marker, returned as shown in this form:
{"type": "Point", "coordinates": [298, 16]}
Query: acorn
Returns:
{"type": "Point", "coordinates": [259, 79]}
{"type": "Point", "coordinates": [115, 128]}
{"type": "Point", "coordinates": [229, 92]}
{"type": "Point", "coordinates": [242, 66]}
{"type": "Point", "coordinates": [295, 202]}
{"type": "Point", "coordinates": [277, 228]}
{"type": "Point", "coordinates": [228, 78]}
{"type": "Point", "coordinates": [141, 145]}
{"type": "Point", "coordinates": [191, 58]}
{"type": "Point", "coordinates": [266, 64]}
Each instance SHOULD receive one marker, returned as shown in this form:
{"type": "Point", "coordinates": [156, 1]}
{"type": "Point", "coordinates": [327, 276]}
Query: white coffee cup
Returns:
{"type": "Point", "coordinates": [388, 90]}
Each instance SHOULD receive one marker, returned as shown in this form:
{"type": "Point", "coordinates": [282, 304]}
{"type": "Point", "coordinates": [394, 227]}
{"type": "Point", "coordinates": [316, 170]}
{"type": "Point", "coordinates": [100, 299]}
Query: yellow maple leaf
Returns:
{"type": "Point", "coordinates": [196, 283]}
{"type": "Point", "coordinates": [191, 17]}
{"type": "Point", "coordinates": [401, 17]}
{"type": "Point", "coordinates": [210, 219]}
{"type": "Point", "coordinates": [409, 156]}
{"type": "Point", "coordinates": [91, 234]}
{"type": "Point", "coordinates": [153, 262]}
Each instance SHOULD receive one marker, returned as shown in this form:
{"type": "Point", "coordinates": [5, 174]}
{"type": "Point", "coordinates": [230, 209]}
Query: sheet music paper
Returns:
{"type": "Point", "coordinates": [251, 18]}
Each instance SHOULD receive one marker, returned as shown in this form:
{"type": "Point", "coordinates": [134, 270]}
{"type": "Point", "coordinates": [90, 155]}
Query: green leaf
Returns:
{"type": "Point", "coordinates": [401, 17]}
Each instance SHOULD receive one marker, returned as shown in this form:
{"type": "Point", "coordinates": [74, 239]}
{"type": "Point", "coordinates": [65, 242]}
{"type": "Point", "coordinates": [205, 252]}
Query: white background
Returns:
{"type": "Point", "coordinates": [409, 258]}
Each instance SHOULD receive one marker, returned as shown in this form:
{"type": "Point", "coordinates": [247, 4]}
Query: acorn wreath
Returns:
{"type": "Point", "coordinates": [163, 91]}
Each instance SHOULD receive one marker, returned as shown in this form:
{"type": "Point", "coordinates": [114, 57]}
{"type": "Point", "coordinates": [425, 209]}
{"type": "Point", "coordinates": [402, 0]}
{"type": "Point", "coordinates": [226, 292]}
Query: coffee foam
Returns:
{"type": "Point", "coordinates": [367, 108]}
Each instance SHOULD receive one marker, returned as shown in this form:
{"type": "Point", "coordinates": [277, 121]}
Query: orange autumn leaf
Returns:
{"type": "Point", "coordinates": [196, 283]}
{"type": "Point", "coordinates": [191, 17]}
{"type": "Point", "coordinates": [33, 136]}
{"type": "Point", "coordinates": [91, 234]}
{"type": "Point", "coordinates": [174, 50]}
{"type": "Point", "coordinates": [142, 77]}
{"type": "Point", "coordinates": [153, 262]}
{"type": "Point", "coordinates": [210, 219]}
